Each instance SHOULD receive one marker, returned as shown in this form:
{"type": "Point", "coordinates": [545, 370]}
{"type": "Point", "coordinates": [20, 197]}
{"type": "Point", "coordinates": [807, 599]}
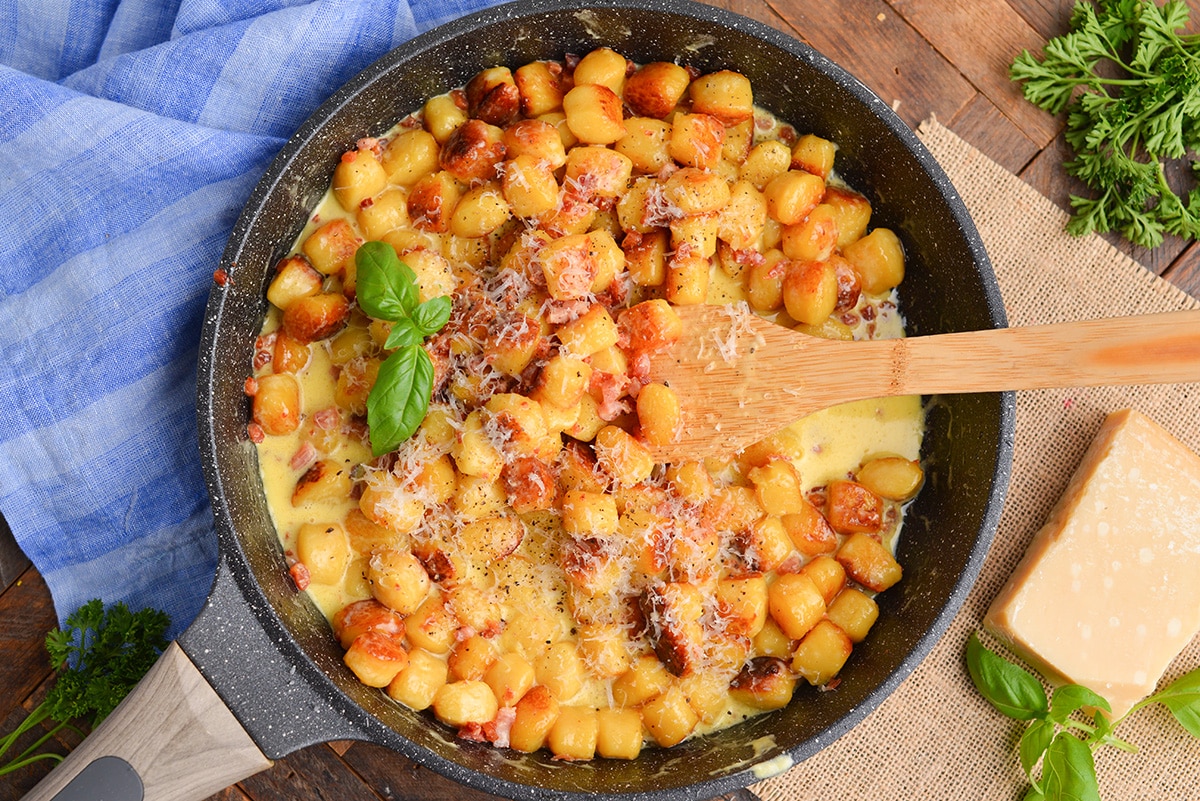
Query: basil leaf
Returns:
{"type": "Point", "coordinates": [1034, 743]}
{"type": "Point", "coordinates": [1182, 697]}
{"type": "Point", "coordinates": [1103, 726]}
{"type": "Point", "coordinates": [398, 401]}
{"type": "Point", "coordinates": [1070, 698]}
{"type": "Point", "coordinates": [1033, 794]}
{"type": "Point", "coordinates": [431, 315]}
{"type": "Point", "coordinates": [1068, 770]}
{"type": "Point", "coordinates": [386, 288]}
{"type": "Point", "coordinates": [404, 333]}
{"type": "Point", "coordinates": [1010, 689]}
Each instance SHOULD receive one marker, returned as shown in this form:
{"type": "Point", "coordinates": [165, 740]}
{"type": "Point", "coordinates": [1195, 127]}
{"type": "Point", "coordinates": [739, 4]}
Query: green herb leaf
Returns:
{"type": "Point", "coordinates": [1068, 770]}
{"type": "Point", "coordinates": [1010, 689]}
{"type": "Point", "coordinates": [431, 315]}
{"type": "Point", "coordinates": [387, 290]}
{"type": "Point", "coordinates": [100, 655]}
{"type": "Point", "coordinates": [1182, 698]}
{"type": "Point", "coordinates": [398, 401]}
{"type": "Point", "coordinates": [1130, 86]}
{"type": "Point", "coordinates": [403, 334]}
{"type": "Point", "coordinates": [1033, 745]}
{"type": "Point", "coordinates": [1070, 698]}
{"type": "Point", "coordinates": [386, 287]}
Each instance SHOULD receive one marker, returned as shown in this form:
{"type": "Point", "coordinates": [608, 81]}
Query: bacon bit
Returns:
{"type": "Point", "coordinates": [616, 294]}
{"type": "Point", "coordinates": [868, 313]}
{"type": "Point", "coordinates": [498, 730]}
{"type": "Point", "coordinates": [327, 419]}
{"type": "Point", "coordinates": [464, 633]}
{"type": "Point", "coordinates": [851, 319]}
{"type": "Point", "coordinates": [817, 496]}
{"type": "Point", "coordinates": [639, 367]}
{"type": "Point", "coordinates": [561, 312]}
{"type": "Point", "coordinates": [792, 564]}
{"type": "Point", "coordinates": [472, 732]}
{"type": "Point", "coordinates": [611, 388]}
{"type": "Point", "coordinates": [370, 143]}
{"type": "Point", "coordinates": [251, 387]}
{"type": "Point", "coordinates": [749, 257]}
{"type": "Point", "coordinates": [255, 432]}
{"type": "Point", "coordinates": [829, 686]}
{"type": "Point", "coordinates": [264, 350]}
{"type": "Point", "coordinates": [222, 278]}
{"type": "Point", "coordinates": [300, 575]}
{"type": "Point", "coordinates": [304, 457]}
{"type": "Point", "coordinates": [366, 203]}
{"type": "Point", "coordinates": [460, 98]}
{"type": "Point", "coordinates": [572, 60]}
{"type": "Point", "coordinates": [349, 156]}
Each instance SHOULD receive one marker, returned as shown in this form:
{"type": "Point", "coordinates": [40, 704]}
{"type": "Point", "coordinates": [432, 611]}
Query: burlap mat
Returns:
{"type": "Point", "coordinates": [935, 738]}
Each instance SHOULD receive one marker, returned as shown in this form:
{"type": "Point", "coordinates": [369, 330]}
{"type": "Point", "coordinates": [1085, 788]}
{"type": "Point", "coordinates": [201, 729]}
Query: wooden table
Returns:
{"type": "Point", "coordinates": [946, 58]}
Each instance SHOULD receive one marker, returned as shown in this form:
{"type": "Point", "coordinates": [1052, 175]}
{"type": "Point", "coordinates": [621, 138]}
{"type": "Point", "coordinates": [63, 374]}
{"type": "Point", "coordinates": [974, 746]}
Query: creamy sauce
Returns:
{"type": "Point", "coordinates": [529, 585]}
{"type": "Point", "coordinates": [827, 445]}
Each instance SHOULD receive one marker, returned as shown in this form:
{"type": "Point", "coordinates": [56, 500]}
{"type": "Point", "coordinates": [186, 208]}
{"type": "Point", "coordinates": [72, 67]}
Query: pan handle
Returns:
{"type": "Point", "coordinates": [176, 738]}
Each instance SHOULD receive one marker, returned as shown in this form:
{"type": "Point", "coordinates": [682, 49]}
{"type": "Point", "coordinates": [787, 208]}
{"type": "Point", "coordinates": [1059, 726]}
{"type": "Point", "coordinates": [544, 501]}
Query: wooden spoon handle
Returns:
{"type": "Point", "coordinates": [173, 733]}
{"type": "Point", "coordinates": [1153, 348]}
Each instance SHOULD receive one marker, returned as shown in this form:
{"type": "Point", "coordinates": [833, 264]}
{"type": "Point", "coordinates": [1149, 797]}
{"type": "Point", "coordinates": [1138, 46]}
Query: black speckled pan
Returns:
{"type": "Point", "coordinates": [267, 650]}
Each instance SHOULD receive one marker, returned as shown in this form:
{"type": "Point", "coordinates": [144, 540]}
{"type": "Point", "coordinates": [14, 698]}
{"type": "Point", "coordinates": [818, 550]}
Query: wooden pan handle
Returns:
{"type": "Point", "coordinates": [173, 732]}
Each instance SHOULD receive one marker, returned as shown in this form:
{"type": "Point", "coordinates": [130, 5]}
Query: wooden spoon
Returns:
{"type": "Point", "coordinates": [740, 378]}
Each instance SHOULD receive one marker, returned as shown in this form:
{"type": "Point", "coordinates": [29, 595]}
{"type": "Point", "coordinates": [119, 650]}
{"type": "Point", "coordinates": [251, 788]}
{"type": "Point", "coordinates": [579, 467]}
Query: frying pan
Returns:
{"type": "Point", "coordinates": [259, 674]}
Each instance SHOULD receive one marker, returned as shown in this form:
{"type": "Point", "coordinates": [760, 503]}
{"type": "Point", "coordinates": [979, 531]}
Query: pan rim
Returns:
{"type": "Point", "coordinates": [367, 725]}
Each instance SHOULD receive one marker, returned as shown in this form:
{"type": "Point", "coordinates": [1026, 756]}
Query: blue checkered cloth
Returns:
{"type": "Point", "coordinates": [131, 134]}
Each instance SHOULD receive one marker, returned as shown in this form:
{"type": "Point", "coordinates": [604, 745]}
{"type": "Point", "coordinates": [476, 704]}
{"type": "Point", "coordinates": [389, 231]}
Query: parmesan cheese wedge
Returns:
{"type": "Point", "coordinates": [1109, 591]}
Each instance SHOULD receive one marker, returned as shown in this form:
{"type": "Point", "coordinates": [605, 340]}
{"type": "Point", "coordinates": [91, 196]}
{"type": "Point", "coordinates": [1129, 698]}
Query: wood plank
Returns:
{"type": "Point", "coordinates": [870, 40]}
{"type": "Point", "coordinates": [15, 785]}
{"type": "Point", "coordinates": [981, 39]}
{"type": "Point", "coordinates": [1184, 272]}
{"type": "Point", "coordinates": [1052, 18]}
{"type": "Point", "coordinates": [12, 561]}
{"type": "Point", "coordinates": [1046, 174]}
{"type": "Point", "coordinates": [398, 777]}
{"type": "Point", "coordinates": [312, 774]}
{"type": "Point", "coordinates": [1049, 18]}
{"type": "Point", "coordinates": [26, 615]}
{"type": "Point", "coordinates": [755, 10]}
{"type": "Point", "coordinates": [987, 129]}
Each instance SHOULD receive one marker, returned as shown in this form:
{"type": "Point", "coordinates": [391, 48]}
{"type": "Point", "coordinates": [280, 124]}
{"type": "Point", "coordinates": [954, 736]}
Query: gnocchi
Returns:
{"type": "Point", "coordinates": [521, 568]}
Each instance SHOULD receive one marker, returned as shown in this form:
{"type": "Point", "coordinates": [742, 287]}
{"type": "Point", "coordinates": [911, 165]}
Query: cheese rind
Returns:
{"type": "Point", "coordinates": [1108, 592]}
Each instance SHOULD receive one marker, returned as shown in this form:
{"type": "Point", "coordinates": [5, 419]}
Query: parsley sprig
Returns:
{"type": "Point", "coordinates": [1130, 84]}
{"type": "Point", "coordinates": [387, 290]}
{"type": "Point", "coordinates": [1055, 736]}
{"type": "Point", "coordinates": [100, 655]}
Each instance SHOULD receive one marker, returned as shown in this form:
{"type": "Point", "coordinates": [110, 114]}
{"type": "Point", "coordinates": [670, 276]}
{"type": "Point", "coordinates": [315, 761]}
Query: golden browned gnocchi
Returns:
{"type": "Point", "coordinates": [520, 566]}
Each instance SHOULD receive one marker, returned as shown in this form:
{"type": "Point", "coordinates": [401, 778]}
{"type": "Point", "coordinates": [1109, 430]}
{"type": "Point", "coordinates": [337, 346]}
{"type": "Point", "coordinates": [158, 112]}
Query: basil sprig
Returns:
{"type": "Point", "coordinates": [1054, 736]}
{"type": "Point", "coordinates": [387, 290]}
